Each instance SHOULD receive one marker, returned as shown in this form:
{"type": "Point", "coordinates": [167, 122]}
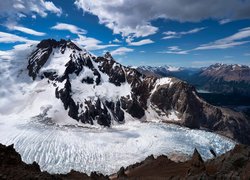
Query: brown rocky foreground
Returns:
{"type": "Point", "coordinates": [234, 164]}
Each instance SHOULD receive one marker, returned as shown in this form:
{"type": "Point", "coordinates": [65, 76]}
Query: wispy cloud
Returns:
{"type": "Point", "coordinates": [225, 21]}
{"type": "Point", "coordinates": [69, 27]}
{"type": "Point", "coordinates": [215, 45]}
{"type": "Point", "coordinates": [141, 42]}
{"type": "Point", "coordinates": [174, 50]}
{"type": "Point", "coordinates": [237, 39]}
{"type": "Point", "coordinates": [12, 38]}
{"type": "Point", "coordinates": [173, 34]}
{"type": "Point", "coordinates": [121, 51]}
{"type": "Point", "coordinates": [228, 42]}
{"type": "Point", "coordinates": [26, 30]}
{"type": "Point", "coordinates": [116, 40]}
{"type": "Point", "coordinates": [90, 43]}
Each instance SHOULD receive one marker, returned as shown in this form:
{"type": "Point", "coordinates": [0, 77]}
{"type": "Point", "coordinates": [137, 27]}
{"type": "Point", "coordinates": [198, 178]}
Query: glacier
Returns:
{"type": "Point", "coordinates": [58, 149]}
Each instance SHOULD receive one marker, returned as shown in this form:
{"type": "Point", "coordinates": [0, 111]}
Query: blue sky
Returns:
{"type": "Point", "coordinates": [136, 32]}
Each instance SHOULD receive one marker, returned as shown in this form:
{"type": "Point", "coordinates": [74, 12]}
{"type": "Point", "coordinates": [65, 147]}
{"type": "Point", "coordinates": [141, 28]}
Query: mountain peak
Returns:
{"type": "Point", "coordinates": [108, 56]}
{"type": "Point", "coordinates": [52, 43]}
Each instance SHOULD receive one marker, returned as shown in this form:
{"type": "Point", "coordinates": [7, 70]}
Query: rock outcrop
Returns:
{"type": "Point", "coordinates": [234, 164]}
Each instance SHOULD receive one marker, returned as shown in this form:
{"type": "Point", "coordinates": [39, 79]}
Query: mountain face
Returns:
{"type": "Point", "coordinates": [69, 82]}
{"type": "Point", "coordinates": [234, 79]}
{"type": "Point", "coordinates": [218, 78]}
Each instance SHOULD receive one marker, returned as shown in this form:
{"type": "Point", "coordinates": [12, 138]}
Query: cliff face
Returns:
{"type": "Point", "coordinates": [194, 112]}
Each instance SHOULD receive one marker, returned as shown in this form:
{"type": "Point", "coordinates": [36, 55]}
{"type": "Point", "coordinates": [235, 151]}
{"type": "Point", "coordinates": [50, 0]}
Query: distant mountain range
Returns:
{"type": "Point", "coordinates": [218, 78]}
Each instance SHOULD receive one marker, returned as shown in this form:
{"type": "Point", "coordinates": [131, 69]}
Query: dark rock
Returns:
{"type": "Point", "coordinates": [227, 166]}
{"type": "Point", "coordinates": [121, 173]}
{"type": "Point", "coordinates": [12, 167]}
{"type": "Point", "coordinates": [213, 152]}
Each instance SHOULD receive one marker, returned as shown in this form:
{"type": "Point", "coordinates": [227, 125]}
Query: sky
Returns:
{"type": "Point", "coordinates": [187, 33]}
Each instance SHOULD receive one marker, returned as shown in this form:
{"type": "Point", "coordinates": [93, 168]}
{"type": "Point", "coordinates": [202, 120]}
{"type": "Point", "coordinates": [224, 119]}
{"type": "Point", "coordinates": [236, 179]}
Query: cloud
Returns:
{"type": "Point", "coordinates": [236, 39]}
{"type": "Point", "coordinates": [172, 34]}
{"type": "Point", "coordinates": [90, 43]}
{"type": "Point", "coordinates": [247, 54]}
{"type": "Point", "coordinates": [225, 21]}
{"type": "Point", "coordinates": [26, 30]}
{"type": "Point", "coordinates": [142, 42]}
{"type": "Point", "coordinates": [121, 51]}
{"type": "Point", "coordinates": [133, 17]}
{"type": "Point", "coordinates": [50, 6]}
{"type": "Point", "coordinates": [12, 38]}
{"type": "Point", "coordinates": [116, 40]}
{"type": "Point", "coordinates": [69, 27]}
{"type": "Point", "coordinates": [228, 42]}
{"type": "Point", "coordinates": [174, 50]}
{"type": "Point", "coordinates": [215, 45]}
{"type": "Point", "coordinates": [16, 9]}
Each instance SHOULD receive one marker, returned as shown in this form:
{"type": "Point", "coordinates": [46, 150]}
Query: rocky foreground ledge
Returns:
{"type": "Point", "coordinates": [234, 164]}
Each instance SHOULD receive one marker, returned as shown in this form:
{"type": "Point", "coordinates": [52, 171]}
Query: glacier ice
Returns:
{"type": "Point", "coordinates": [58, 149]}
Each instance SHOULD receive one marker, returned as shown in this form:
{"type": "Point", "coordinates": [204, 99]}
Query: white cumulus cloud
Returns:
{"type": "Point", "coordinates": [134, 17]}
{"type": "Point", "coordinates": [15, 9]}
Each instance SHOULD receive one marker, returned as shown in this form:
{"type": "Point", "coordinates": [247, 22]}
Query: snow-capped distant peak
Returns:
{"type": "Point", "coordinates": [165, 67]}
{"type": "Point", "coordinates": [173, 69]}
